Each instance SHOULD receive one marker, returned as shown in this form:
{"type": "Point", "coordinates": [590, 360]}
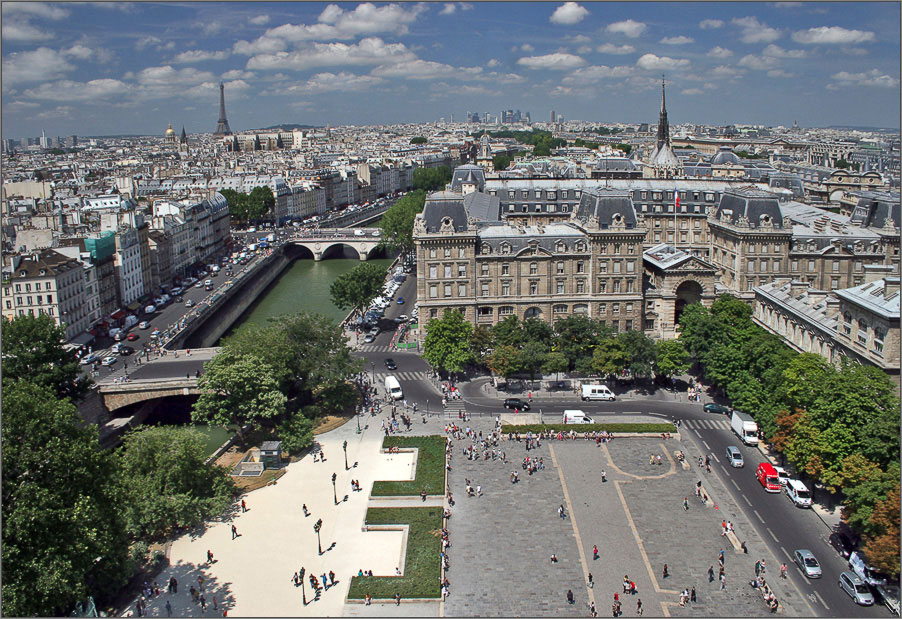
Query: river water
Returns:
{"type": "Point", "coordinates": [303, 286]}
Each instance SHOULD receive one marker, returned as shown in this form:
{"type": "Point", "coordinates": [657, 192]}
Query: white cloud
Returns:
{"type": "Point", "coordinates": [866, 78]}
{"type": "Point", "coordinates": [343, 81]}
{"type": "Point", "coordinates": [60, 111]}
{"type": "Point", "coordinates": [578, 39]}
{"type": "Point", "coordinates": [561, 91]}
{"type": "Point", "coordinates": [557, 61]}
{"type": "Point", "coordinates": [526, 47]}
{"type": "Point", "coordinates": [260, 45]}
{"type": "Point", "coordinates": [692, 91]}
{"type": "Point", "coordinates": [759, 63]}
{"type": "Point", "coordinates": [778, 52]}
{"type": "Point", "coordinates": [710, 24]}
{"type": "Point", "coordinates": [493, 62]}
{"type": "Point", "coordinates": [596, 73]}
{"type": "Point", "coordinates": [449, 9]}
{"type": "Point", "coordinates": [259, 20]}
{"type": "Point", "coordinates": [337, 23]}
{"type": "Point", "coordinates": [40, 65]}
{"type": "Point", "coordinates": [719, 52]}
{"type": "Point", "coordinates": [22, 31]}
{"type": "Point", "coordinates": [200, 55]}
{"type": "Point", "coordinates": [832, 35]}
{"type": "Point", "coordinates": [726, 71]}
{"type": "Point", "coordinates": [610, 48]}
{"type": "Point", "coordinates": [779, 73]}
{"type": "Point", "coordinates": [679, 40]}
{"type": "Point", "coordinates": [584, 49]}
{"type": "Point", "coordinates": [236, 74]}
{"type": "Point", "coordinates": [67, 90]}
{"type": "Point", "coordinates": [658, 63]}
{"type": "Point", "coordinates": [629, 28]}
{"type": "Point", "coordinates": [568, 14]}
{"type": "Point", "coordinates": [753, 31]}
{"type": "Point", "coordinates": [417, 70]}
{"type": "Point", "coordinates": [53, 11]}
{"type": "Point", "coordinates": [165, 79]}
{"type": "Point", "coordinates": [209, 91]}
{"type": "Point", "coordinates": [155, 42]}
{"type": "Point", "coordinates": [369, 51]}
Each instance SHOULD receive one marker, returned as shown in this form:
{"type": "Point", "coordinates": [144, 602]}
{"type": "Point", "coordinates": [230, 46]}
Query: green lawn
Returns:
{"type": "Point", "coordinates": [651, 428]}
{"type": "Point", "coordinates": [430, 473]}
{"type": "Point", "coordinates": [422, 570]}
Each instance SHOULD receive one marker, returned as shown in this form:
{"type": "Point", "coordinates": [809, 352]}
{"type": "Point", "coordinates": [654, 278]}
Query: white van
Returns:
{"type": "Point", "coordinates": [393, 387]}
{"type": "Point", "coordinates": [576, 416]}
{"type": "Point", "coordinates": [798, 493]}
{"type": "Point", "coordinates": [597, 392]}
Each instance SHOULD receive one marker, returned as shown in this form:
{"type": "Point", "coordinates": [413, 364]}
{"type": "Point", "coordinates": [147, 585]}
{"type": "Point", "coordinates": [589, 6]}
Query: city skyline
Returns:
{"type": "Point", "coordinates": [90, 69]}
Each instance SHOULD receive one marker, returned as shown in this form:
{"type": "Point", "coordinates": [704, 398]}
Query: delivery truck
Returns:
{"type": "Point", "coordinates": [744, 427]}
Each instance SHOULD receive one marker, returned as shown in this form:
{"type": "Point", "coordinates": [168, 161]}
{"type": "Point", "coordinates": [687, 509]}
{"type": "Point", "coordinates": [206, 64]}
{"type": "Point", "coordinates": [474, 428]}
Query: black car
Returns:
{"type": "Point", "coordinates": [842, 543]}
{"type": "Point", "coordinates": [719, 409]}
{"type": "Point", "coordinates": [523, 405]}
{"type": "Point", "coordinates": [390, 364]}
{"type": "Point", "coordinates": [126, 350]}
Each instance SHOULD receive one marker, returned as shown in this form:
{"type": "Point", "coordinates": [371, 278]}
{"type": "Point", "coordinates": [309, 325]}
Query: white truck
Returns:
{"type": "Point", "coordinates": [576, 416]}
{"type": "Point", "coordinates": [393, 387]}
{"type": "Point", "coordinates": [744, 427]}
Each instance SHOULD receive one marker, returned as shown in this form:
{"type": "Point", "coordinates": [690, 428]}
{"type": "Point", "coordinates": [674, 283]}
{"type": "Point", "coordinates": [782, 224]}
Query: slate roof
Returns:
{"type": "Point", "coordinates": [48, 260]}
{"type": "Point", "coordinates": [444, 204]}
{"type": "Point", "coordinates": [753, 204]}
{"type": "Point", "coordinates": [482, 206]}
{"type": "Point", "coordinates": [605, 205]}
{"type": "Point", "coordinates": [874, 208]}
{"type": "Point", "coordinates": [468, 174]}
{"type": "Point", "coordinates": [870, 296]}
{"type": "Point", "coordinates": [557, 238]}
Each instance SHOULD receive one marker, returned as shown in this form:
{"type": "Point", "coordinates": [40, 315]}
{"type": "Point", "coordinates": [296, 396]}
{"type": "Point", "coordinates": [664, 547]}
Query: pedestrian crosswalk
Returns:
{"type": "Point", "coordinates": [377, 348]}
{"type": "Point", "coordinates": [403, 375]}
{"type": "Point", "coordinates": [707, 424]}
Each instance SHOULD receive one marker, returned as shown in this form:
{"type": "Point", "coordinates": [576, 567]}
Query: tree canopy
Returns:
{"type": "Point", "coordinates": [447, 343]}
{"type": "Point", "coordinates": [418, 140]}
{"type": "Point", "coordinates": [397, 222]}
{"type": "Point", "coordinates": [431, 179]}
{"type": "Point", "coordinates": [356, 288]}
{"type": "Point", "coordinates": [245, 208]}
{"type": "Point", "coordinates": [33, 350]}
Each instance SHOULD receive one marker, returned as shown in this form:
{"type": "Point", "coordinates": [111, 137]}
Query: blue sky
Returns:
{"type": "Point", "coordinates": [107, 68]}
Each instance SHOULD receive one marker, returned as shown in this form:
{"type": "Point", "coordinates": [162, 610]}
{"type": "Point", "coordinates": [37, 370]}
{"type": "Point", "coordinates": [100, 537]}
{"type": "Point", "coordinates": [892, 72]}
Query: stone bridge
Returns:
{"type": "Point", "coordinates": [319, 242]}
{"type": "Point", "coordinates": [119, 395]}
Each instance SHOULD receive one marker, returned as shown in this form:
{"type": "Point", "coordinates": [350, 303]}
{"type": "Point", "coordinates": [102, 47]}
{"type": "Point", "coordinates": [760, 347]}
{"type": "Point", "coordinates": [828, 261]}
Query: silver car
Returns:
{"type": "Point", "coordinates": [889, 593]}
{"type": "Point", "coordinates": [857, 589]}
{"type": "Point", "coordinates": [807, 563]}
{"type": "Point", "coordinates": [734, 457]}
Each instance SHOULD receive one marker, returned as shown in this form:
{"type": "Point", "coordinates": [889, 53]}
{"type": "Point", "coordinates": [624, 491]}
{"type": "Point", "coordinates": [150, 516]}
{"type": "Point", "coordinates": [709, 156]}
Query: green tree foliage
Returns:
{"type": "Point", "coordinates": [447, 343]}
{"type": "Point", "coordinates": [509, 332]}
{"type": "Point", "coordinates": [841, 164]}
{"type": "Point", "coordinates": [641, 350]}
{"type": "Point", "coordinates": [296, 434]}
{"type": "Point", "coordinates": [575, 337]}
{"type": "Point", "coordinates": [626, 148]}
{"type": "Point", "coordinates": [431, 179]}
{"type": "Point", "coordinates": [700, 330]}
{"type": "Point", "coordinates": [673, 358]}
{"type": "Point", "coordinates": [481, 343]}
{"type": "Point", "coordinates": [237, 391]}
{"type": "Point", "coordinates": [165, 483]}
{"type": "Point", "coordinates": [532, 356]}
{"type": "Point", "coordinates": [555, 363]}
{"type": "Point", "coordinates": [610, 356]}
{"type": "Point", "coordinates": [418, 140]}
{"type": "Point", "coordinates": [537, 330]}
{"type": "Point", "coordinates": [397, 222]}
{"type": "Point", "coordinates": [501, 162]}
{"type": "Point", "coordinates": [63, 537]}
{"type": "Point", "coordinates": [245, 208]}
{"type": "Point", "coordinates": [33, 350]}
{"type": "Point", "coordinates": [358, 287]}
{"type": "Point", "coordinates": [881, 545]}
{"type": "Point", "coordinates": [541, 140]}
{"type": "Point", "coordinates": [504, 361]}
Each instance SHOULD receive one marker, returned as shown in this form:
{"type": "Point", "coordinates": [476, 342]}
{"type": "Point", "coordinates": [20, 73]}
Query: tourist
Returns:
{"type": "Point", "coordinates": [569, 596]}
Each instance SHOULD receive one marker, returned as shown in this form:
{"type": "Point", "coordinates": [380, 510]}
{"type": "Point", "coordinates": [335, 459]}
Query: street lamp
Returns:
{"type": "Point", "coordinates": [316, 527]}
{"type": "Point", "coordinates": [303, 588]}
{"type": "Point", "coordinates": [345, 447]}
{"type": "Point", "coordinates": [334, 495]}
{"type": "Point", "coordinates": [358, 420]}
{"type": "Point", "coordinates": [373, 366]}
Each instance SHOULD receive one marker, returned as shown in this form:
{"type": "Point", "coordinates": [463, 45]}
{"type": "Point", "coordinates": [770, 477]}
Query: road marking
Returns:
{"type": "Point", "coordinates": [735, 485]}
{"type": "Point", "coordinates": [716, 459]}
{"type": "Point", "coordinates": [696, 433]}
{"type": "Point", "coordinates": [746, 499]}
{"type": "Point", "coordinates": [705, 443]}
{"type": "Point", "coordinates": [821, 600]}
{"type": "Point", "coordinates": [755, 511]}
{"type": "Point", "coordinates": [786, 553]}
{"type": "Point", "coordinates": [772, 534]}
{"type": "Point", "coordinates": [579, 543]}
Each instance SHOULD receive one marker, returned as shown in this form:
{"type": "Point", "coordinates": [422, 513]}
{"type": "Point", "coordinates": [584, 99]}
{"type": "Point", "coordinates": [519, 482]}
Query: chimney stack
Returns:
{"type": "Point", "coordinates": [891, 286]}
{"type": "Point", "coordinates": [873, 272]}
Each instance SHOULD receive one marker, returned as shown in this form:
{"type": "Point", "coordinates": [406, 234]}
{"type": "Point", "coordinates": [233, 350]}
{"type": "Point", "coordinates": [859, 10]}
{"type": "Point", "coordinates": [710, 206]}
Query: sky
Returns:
{"type": "Point", "coordinates": [93, 68]}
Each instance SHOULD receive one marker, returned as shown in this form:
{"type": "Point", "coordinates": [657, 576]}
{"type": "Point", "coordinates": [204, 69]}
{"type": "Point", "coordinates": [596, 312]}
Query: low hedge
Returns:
{"type": "Point", "coordinates": [581, 428]}
{"type": "Point", "coordinates": [422, 567]}
{"type": "Point", "coordinates": [430, 473]}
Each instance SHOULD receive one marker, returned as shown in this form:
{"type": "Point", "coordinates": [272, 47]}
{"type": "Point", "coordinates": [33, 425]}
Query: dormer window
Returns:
{"type": "Point", "coordinates": [560, 247]}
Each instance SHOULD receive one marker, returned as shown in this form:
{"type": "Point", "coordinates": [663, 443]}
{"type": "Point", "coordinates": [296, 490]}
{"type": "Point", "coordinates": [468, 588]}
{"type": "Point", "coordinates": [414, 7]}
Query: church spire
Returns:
{"type": "Point", "coordinates": [663, 127]}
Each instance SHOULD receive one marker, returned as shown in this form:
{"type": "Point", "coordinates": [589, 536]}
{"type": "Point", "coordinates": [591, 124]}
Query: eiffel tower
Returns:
{"type": "Point", "coordinates": [222, 125]}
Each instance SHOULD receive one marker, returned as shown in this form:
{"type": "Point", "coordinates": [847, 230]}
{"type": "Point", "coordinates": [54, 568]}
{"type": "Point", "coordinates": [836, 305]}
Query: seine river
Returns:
{"type": "Point", "coordinates": [303, 286]}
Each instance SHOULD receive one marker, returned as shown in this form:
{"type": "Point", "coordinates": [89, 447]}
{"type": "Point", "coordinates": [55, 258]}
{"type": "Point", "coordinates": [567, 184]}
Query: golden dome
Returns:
{"type": "Point", "coordinates": [170, 130]}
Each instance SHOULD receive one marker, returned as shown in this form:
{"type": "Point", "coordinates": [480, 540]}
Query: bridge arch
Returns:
{"type": "Point", "coordinates": [339, 249]}
{"type": "Point", "coordinates": [296, 251]}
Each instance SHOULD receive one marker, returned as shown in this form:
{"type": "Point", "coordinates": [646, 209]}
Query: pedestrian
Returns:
{"type": "Point", "coordinates": [168, 609]}
{"type": "Point", "coordinates": [592, 610]}
{"type": "Point", "coordinates": [666, 573]}
{"type": "Point", "coordinates": [304, 507]}
{"type": "Point", "coordinates": [591, 581]}
{"type": "Point", "coordinates": [200, 583]}
{"type": "Point", "coordinates": [686, 503]}
{"type": "Point", "coordinates": [783, 569]}
{"type": "Point", "coordinates": [560, 511]}
{"type": "Point", "coordinates": [692, 597]}
{"type": "Point", "coordinates": [209, 556]}
{"type": "Point", "coordinates": [332, 577]}
{"type": "Point", "coordinates": [604, 476]}
{"type": "Point", "coordinates": [763, 566]}
{"type": "Point", "coordinates": [711, 574]}
{"type": "Point", "coordinates": [397, 599]}
{"type": "Point", "coordinates": [639, 607]}
{"type": "Point", "coordinates": [243, 506]}
{"type": "Point", "coordinates": [569, 596]}
{"type": "Point", "coordinates": [723, 582]}
{"type": "Point", "coordinates": [215, 605]}
{"type": "Point", "coordinates": [757, 568]}
{"type": "Point", "coordinates": [595, 552]}
{"type": "Point", "coordinates": [234, 531]}
{"type": "Point", "coordinates": [721, 556]}
{"type": "Point", "coordinates": [203, 604]}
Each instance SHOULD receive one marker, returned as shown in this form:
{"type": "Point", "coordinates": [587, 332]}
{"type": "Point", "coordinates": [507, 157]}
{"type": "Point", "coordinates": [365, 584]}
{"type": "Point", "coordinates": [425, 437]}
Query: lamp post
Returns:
{"type": "Point", "coordinates": [334, 495]}
{"type": "Point", "coordinates": [358, 420]}
{"type": "Point", "coordinates": [303, 587]}
{"type": "Point", "coordinates": [373, 367]}
{"type": "Point", "coordinates": [427, 407]}
{"type": "Point", "coordinates": [345, 447]}
{"type": "Point", "coordinates": [316, 527]}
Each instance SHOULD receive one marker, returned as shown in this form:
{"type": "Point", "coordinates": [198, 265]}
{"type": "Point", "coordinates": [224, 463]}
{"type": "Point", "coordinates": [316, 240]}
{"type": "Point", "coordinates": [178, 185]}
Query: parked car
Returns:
{"type": "Point", "coordinates": [523, 405]}
{"type": "Point", "coordinates": [402, 318]}
{"type": "Point", "coordinates": [864, 571]}
{"type": "Point", "coordinates": [132, 337]}
{"type": "Point", "coordinates": [126, 350]}
{"type": "Point", "coordinates": [807, 563]}
{"type": "Point", "coordinates": [734, 457]}
{"type": "Point", "coordinates": [782, 474]}
{"type": "Point", "coordinates": [390, 364]}
{"type": "Point", "coordinates": [718, 409]}
{"type": "Point", "coordinates": [889, 595]}
{"type": "Point", "coordinates": [143, 325]}
{"type": "Point", "coordinates": [856, 588]}
{"type": "Point", "coordinates": [842, 543]}
{"type": "Point", "coordinates": [120, 335]}
{"type": "Point", "coordinates": [189, 303]}
{"type": "Point", "coordinates": [108, 361]}
{"type": "Point", "coordinates": [369, 338]}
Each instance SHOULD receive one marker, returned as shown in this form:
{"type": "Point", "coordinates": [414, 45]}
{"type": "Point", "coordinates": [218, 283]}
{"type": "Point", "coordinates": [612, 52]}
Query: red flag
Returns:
{"type": "Point", "coordinates": [677, 196]}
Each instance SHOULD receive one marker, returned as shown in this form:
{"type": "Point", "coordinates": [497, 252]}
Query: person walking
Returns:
{"type": "Point", "coordinates": [757, 568]}
{"type": "Point", "coordinates": [604, 476]}
{"type": "Point", "coordinates": [209, 556]}
{"type": "Point", "coordinates": [397, 599]}
{"type": "Point", "coordinates": [711, 574]}
{"type": "Point", "coordinates": [234, 531]}
{"type": "Point", "coordinates": [168, 608]}
{"type": "Point", "coordinates": [686, 503]}
{"type": "Point", "coordinates": [783, 569]}
{"type": "Point", "coordinates": [243, 506]}
{"type": "Point", "coordinates": [569, 596]}
{"type": "Point", "coordinates": [591, 581]}
{"type": "Point", "coordinates": [666, 573]}
{"type": "Point", "coordinates": [639, 610]}
{"type": "Point", "coordinates": [723, 582]}
{"type": "Point", "coordinates": [594, 552]}
{"type": "Point", "coordinates": [692, 597]}
{"type": "Point", "coordinates": [561, 513]}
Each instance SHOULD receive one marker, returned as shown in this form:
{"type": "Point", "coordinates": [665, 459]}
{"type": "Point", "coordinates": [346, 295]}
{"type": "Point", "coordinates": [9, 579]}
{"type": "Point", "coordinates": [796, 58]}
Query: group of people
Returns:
{"type": "Point", "coordinates": [151, 591]}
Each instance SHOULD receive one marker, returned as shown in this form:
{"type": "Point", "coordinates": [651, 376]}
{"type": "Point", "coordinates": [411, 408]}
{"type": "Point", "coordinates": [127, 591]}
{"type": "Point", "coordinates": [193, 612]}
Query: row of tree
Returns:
{"type": "Point", "coordinates": [76, 519]}
{"type": "Point", "coordinates": [575, 343]}
{"type": "Point", "coordinates": [542, 141]}
{"type": "Point", "coordinates": [431, 179]}
{"type": "Point", "coordinates": [245, 208]}
{"type": "Point", "coordinates": [837, 424]}
{"type": "Point", "coordinates": [397, 221]}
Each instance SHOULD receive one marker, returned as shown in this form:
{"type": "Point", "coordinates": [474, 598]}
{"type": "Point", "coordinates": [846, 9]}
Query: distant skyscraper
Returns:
{"type": "Point", "coordinates": [222, 126]}
{"type": "Point", "coordinates": [552, 117]}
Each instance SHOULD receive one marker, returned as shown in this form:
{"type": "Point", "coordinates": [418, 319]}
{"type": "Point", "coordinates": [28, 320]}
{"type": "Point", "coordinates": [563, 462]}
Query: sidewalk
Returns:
{"type": "Point", "coordinates": [482, 387]}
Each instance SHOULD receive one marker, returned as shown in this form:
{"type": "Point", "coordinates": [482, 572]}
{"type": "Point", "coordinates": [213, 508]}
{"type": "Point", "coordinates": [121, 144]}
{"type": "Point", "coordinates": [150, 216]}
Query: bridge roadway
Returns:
{"type": "Point", "coordinates": [320, 240]}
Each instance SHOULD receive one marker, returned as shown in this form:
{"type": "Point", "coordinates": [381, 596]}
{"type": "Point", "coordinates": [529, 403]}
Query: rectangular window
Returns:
{"type": "Point", "coordinates": [629, 325]}
{"type": "Point", "coordinates": [9, 304]}
{"type": "Point", "coordinates": [834, 283]}
{"type": "Point", "coordinates": [461, 252]}
{"type": "Point", "coordinates": [629, 285]}
{"type": "Point", "coordinates": [602, 266]}
{"type": "Point", "coordinates": [811, 265]}
{"type": "Point", "coordinates": [505, 289]}
{"type": "Point", "coordinates": [505, 269]}
{"type": "Point", "coordinates": [602, 308]}
{"type": "Point", "coordinates": [533, 288]}
{"type": "Point", "coordinates": [629, 308]}
{"type": "Point", "coordinates": [630, 267]}
{"type": "Point", "coordinates": [751, 266]}
{"type": "Point", "coordinates": [581, 286]}
{"type": "Point", "coordinates": [580, 267]}
{"type": "Point", "coordinates": [447, 290]}
{"type": "Point", "coordinates": [433, 272]}
{"type": "Point", "coordinates": [433, 292]}
{"type": "Point", "coordinates": [560, 287]}
{"type": "Point", "coordinates": [616, 266]}
{"type": "Point", "coordinates": [616, 285]}
{"type": "Point", "coordinates": [615, 308]}
{"type": "Point", "coordinates": [560, 267]}
{"type": "Point", "coordinates": [462, 290]}
{"type": "Point", "coordinates": [776, 266]}
{"type": "Point", "coordinates": [795, 266]}
{"type": "Point", "coordinates": [447, 252]}
{"type": "Point", "coordinates": [447, 270]}
{"type": "Point", "coordinates": [836, 266]}
{"type": "Point", "coordinates": [433, 313]}
{"type": "Point", "coordinates": [533, 268]}
{"type": "Point", "coordinates": [432, 253]}
{"type": "Point", "coordinates": [462, 270]}
{"type": "Point", "coordinates": [29, 299]}
{"type": "Point", "coordinates": [27, 287]}
{"type": "Point", "coordinates": [602, 286]}
{"type": "Point", "coordinates": [485, 268]}
{"type": "Point", "coordinates": [617, 249]}
{"type": "Point", "coordinates": [37, 286]}
{"type": "Point", "coordinates": [18, 288]}
{"type": "Point", "coordinates": [507, 310]}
